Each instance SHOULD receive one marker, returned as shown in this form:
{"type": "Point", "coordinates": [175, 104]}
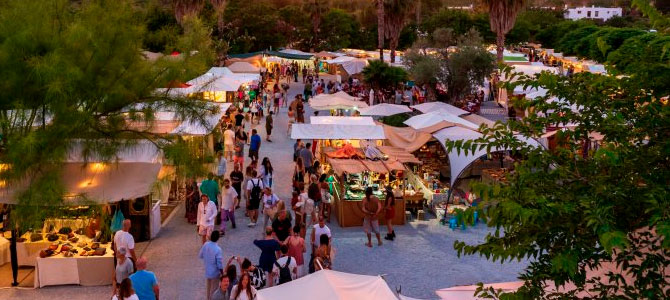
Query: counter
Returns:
{"type": "Point", "coordinates": [349, 212]}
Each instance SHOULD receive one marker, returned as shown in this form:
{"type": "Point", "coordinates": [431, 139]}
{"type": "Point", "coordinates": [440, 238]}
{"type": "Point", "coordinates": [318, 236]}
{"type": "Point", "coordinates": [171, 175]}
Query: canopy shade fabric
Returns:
{"type": "Point", "coordinates": [479, 120]}
{"type": "Point", "coordinates": [337, 132]}
{"type": "Point", "coordinates": [347, 151]}
{"type": "Point", "coordinates": [193, 127]}
{"type": "Point", "coordinates": [406, 137]}
{"type": "Point", "coordinates": [399, 154]}
{"type": "Point", "coordinates": [296, 52]}
{"type": "Point", "coordinates": [434, 106]}
{"type": "Point", "coordinates": [339, 100]}
{"type": "Point", "coordinates": [219, 71]}
{"type": "Point", "coordinates": [325, 54]}
{"type": "Point", "coordinates": [243, 67]}
{"type": "Point", "coordinates": [467, 292]}
{"type": "Point", "coordinates": [351, 166]}
{"type": "Point", "coordinates": [342, 120]}
{"type": "Point", "coordinates": [393, 165]}
{"type": "Point", "coordinates": [288, 55]}
{"type": "Point", "coordinates": [354, 66]}
{"type": "Point", "coordinates": [376, 166]}
{"type": "Point", "coordinates": [142, 152]}
{"type": "Point", "coordinates": [432, 118]}
{"type": "Point", "coordinates": [330, 285]}
{"type": "Point", "coordinates": [100, 183]}
{"type": "Point", "coordinates": [340, 59]}
{"type": "Point", "coordinates": [384, 109]}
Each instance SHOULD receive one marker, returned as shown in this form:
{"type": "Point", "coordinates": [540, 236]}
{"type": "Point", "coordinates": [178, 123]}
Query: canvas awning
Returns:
{"type": "Point", "coordinates": [394, 165]}
{"type": "Point", "coordinates": [243, 67]}
{"type": "Point", "coordinates": [193, 127]}
{"type": "Point", "coordinates": [337, 132]}
{"type": "Point", "coordinates": [341, 120]}
{"type": "Point", "coordinates": [347, 151]}
{"type": "Point", "coordinates": [339, 60]}
{"type": "Point", "coordinates": [432, 118]}
{"type": "Point", "coordinates": [339, 100]}
{"type": "Point", "coordinates": [467, 292]}
{"type": "Point", "coordinates": [406, 137]}
{"type": "Point", "coordinates": [354, 66]}
{"type": "Point", "coordinates": [325, 54]}
{"type": "Point", "coordinates": [376, 166]}
{"type": "Point", "coordinates": [384, 109]}
{"type": "Point", "coordinates": [97, 182]}
{"type": "Point", "coordinates": [434, 106]}
{"type": "Point", "coordinates": [330, 285]}
{"type": "Point", "coordinates": [351, 166]}
{"type": "Point", "coordinates": [398, 154]}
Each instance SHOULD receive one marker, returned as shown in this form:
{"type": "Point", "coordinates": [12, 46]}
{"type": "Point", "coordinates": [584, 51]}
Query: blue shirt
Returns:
{"type": "Point", "coordinates": [143, 283]}
{"type": "Point", "coordinates": [268, 257]}
{"type": "Point", "coordinates": [255, 142]}
{"type": "Point", "coordinates": [212, 256]}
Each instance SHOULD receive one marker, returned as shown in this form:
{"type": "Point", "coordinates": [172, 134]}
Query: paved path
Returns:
{"type": "Point", "coordinates": [419, 261]}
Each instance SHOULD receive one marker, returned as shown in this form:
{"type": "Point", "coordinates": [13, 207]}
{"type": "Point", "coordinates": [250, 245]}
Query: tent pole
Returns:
{"type": "Point", "coordinates": [13, 257]}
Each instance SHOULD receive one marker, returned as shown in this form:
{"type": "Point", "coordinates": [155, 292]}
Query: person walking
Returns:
{"type": "Point", "coordinates": [125, 291]}
{"type": "Point", "coordinates": [307, 91]}
{"type": "Point", "coordinates": [269, 120]}
{"type": "Point", "coordinates": [300, 112]}
{"type": "Point", "coordinates": [299, 175]}
{"type": "Point", "coordinates": [212, 256]}
{"type": "Point", "coordinates": [266, 172]}
{"type": "Point", "coordinates": [254, 145]}
{"type": "Point", "coordinates": [238, 157]}
{"type": "Point", "coordinates": [322, 255]}
{"type": "Point", "coordinates": [269, 247]}
{"type": "Point", "coordinates": [192, 200]}
{"type": "Point", "coordinates": [210, 188]}
{"type": "Point", "coordinates": [206, 215]}
{"type": "Point", "coordinates": [285, 269]}
{"type": "Point", "coordinates": [270, 201]}
{"type": "Point", "coordinates": [314, 193]}
{"type": "Point", "coordinates": [123, 239]}
{"type": "Point", "coordinates": [229, 200]}
{"type": "Point", "coordinates": [389, 213]}
{"type": "Point", "coordinates": [223, 291]}
{"type": "Point", "coordinates": [236, 178]}
{"type": "Point", "coordinates": [243, 290]}
{"type": "Point", "coordinates": [282, 224]}
{"type": "Point", "coordinates": [145, 282]}
{"type": "Point", "coordinates": [254, 194]}
{"type": "Point", "coordinates": [229, 142]}
{"type": "Point", "coordinates": [371, 208]}
{"type": "Point", "coordinates": [296, 248]}
{"type": "Point", "coordinates": [221, 165]}
{"type": "Point", "coordinates": [307, 157]}
{"type": "Point", "coordinates": [123, 269]}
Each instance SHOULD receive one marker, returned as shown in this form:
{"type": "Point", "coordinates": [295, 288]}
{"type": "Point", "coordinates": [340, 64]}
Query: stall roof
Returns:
{"type": "Point", "coordinates": [339, 60]}
{"type": "Point", "coordinates": [351, 166]}
{"type": "Point", "coordinates": [142, 152]}
{"type": "Point", "coordinates": [100, 183]}
{"type": "Point", "coordinates": [342, 120]}
{"type": "Point", "coordinates": [432, 118]}
{"type": "Point", "coordinates": [245, 55]}
{"type": "Point", "coordinates": [196, 128]}
{"type": "Point", "coordinates": [337, 132]}
{"type": "Point", "coordinates": [354, 66]}
{"type": "Point", "coordinates": [376, 166]}
{"type": "Point", "coordinates": [289, 55]}
{"type": "Point", "coordinates": [296, 52]}
{"type": "Point", "coordinates": [398, 154]}
{"type": "Point", "coordinates": [339, 100]}
{"type": "Point", "coordinates": [433, 106]}
{"type": "Point", "coordinates": [406, 137]}
{"type": "Point", "coordinates": [243, 67]}
{"type": "Point", "coordinates": [384, 109]}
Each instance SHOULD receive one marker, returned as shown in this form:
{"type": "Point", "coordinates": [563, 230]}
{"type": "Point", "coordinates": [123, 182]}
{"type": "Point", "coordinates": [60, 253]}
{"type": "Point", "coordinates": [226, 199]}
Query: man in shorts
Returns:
{"type": "Point", "coordinates": [371, 209]}
{"type": "Point", "coordinates": [238, 158]}
{"type": "Point", "coordinates": [229, 142]}
{"type": "Point", "coordinates": [206, 214]}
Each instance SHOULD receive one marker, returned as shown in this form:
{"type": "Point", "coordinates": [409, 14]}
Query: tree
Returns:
{"type": "Point", "coordinates": [644, 57]}
{"type": "Point", "coordinates": [423, 69]}
{"type": "Point", "coordinates": [219, 9]}
{"type": "Point", "coordinates": [339, 29]}
{"type": "Point", "coordinates": [381, 75]}
{"type": "Point", "coordinates": [576, 209]}
{"type": "Point", "coordinates": [68, 75]}
{"type": "Point", "coordinates": [381, 24]}
{"type": "Point", "coordinates": [502, 15]}
{"type": "Point", "coordinates": [316, 9]}
{"type": "Point", "coordinates": [183, 8]}
{"type": "Point", "coordinates": [395, 15]}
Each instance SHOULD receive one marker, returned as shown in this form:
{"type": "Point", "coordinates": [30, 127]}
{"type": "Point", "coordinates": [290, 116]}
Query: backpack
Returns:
{"type": "Point", "coordinates": [285, 271]}
{"type": "Point", "coordinates": [258, 278]}
{"type": "Point", "coordinates": [255, 191]}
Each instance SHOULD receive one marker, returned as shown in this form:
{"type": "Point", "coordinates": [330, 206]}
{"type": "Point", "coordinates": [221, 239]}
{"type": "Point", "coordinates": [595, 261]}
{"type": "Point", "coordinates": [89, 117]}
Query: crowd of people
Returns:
{"type": "Point", "coordinates": [131, 279]}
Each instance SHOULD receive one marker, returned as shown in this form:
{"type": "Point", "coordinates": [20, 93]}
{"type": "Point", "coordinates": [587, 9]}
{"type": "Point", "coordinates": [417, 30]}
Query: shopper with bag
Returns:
{"type": "Point", "coordinates": [254, 194]}
{"type": "Point", "coordinates": [270, 201]}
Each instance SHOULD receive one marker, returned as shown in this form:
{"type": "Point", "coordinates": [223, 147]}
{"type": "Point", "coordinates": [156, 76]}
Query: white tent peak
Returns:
{"type": "Point", "coordinates": [434, 117]}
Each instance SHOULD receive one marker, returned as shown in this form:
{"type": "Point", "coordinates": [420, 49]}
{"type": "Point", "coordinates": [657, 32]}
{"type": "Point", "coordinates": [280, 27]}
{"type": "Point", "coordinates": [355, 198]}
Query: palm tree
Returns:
{"type": "Point", "coordinates": [502, 16]}
{"type": "Point", "coordinates": [219, 8]}
{"type": "Point", "coordinates": [380, 28]}
{"type": "Point", "coordinates": [316, 9]}
{"type": "Point", "coordinates": [395, 15]}
{"type": "Point", "coordinates": [183, 8]}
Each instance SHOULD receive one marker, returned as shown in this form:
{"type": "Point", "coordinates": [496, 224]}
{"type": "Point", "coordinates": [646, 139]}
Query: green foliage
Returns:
{"type": "Point", "coordinates": [64, 63]}
{"type": "Point", "coordinates": [162, 28]}
{"type": "Point", "coordinates": [646, 57]}
{"type": "Point", "coordinates": [568, 213]}
{"type": "Point", "coordinates": [395, 120]}
{"type": "Point", "coordinates": [338, 29]}
{"type": "Point", "coordinates": [550, 36]}
{"type": "Point", "coordinates": [379, 74]}
{"type": "Point", "coordinates": [576, 41]}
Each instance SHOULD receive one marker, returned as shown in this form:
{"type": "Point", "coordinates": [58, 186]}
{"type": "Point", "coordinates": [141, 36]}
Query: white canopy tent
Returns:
{"type": "Point", "coordinates": [195, 128]}
{"type": "Point", "coordinates": [384, 109]}
{"type": "Point", "coordinates": [467, 292]}
{"type": "Point", "coordinates": [339, 59]}
{"type": "Point", "coordinates": [337, 132]}
{"type": "Point", "coordinates": [354, 66]}
{"type": "Point", "coordinates": [330, 285]}
{"type": "Point", "coordinates": [339, 100]}
{"type": "Point", "coordinates": [294, 51]}
{"type": "Point", "coordinates": [432, 118]}
{"type": "Point", "coordinates": [458, 160]}
{"type": "Point", "coordinates": [342, 120]}
{"type": "Point", "coordinates": [243, 67]}
{"type": "Point", "coordinates": [433, 106]}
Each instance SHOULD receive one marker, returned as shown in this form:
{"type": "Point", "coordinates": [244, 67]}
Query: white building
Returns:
{"type": "Point", "coordinates": [602, 13]}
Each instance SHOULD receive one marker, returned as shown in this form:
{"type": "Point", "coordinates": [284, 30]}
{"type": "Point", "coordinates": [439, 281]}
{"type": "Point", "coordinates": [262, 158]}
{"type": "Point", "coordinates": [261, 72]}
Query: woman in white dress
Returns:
{"type": "Point", "coordinates": [243, 290]}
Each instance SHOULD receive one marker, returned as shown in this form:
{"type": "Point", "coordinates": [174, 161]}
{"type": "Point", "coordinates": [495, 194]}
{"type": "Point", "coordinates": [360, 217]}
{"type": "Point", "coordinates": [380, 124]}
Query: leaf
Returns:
{"type": "Point", "coordinates": [613, 239]}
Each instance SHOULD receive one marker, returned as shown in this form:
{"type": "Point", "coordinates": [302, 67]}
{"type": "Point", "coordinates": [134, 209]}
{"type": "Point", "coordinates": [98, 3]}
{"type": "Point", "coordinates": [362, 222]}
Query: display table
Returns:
{"type": "Point", "coordinates": [27, 252]}
{"type": "Point", "coordinates": [81, 270]}
{"type": "Point", "coordinates": [349, 213]}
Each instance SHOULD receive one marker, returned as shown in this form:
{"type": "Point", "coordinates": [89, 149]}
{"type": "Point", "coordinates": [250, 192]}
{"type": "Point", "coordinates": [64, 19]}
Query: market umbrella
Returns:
{"type": "Point", "coordinates": [433, 106]}
{"type": "Point", "coordinates": [339, 100]}
{"type": "Point", "coordinates": [432, 118]}
{"type": "Point", "coordinates": [384, 109]}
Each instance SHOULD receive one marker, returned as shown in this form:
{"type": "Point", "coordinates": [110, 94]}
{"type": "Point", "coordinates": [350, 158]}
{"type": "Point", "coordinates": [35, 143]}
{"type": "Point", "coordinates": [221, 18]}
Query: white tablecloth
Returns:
{"type": "Point", "coordinates": [86, 271]}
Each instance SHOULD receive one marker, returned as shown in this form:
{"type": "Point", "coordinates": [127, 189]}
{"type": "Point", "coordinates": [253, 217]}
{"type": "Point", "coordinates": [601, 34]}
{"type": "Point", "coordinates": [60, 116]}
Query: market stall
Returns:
{"type": "Point", "coordinates": [384, 109]}
{"type": "Point", "coordinates": [339, 100]}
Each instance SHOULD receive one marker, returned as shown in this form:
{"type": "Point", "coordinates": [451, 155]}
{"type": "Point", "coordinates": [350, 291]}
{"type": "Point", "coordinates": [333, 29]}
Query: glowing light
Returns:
{"type": "Point", "coordinates": [97, 167]}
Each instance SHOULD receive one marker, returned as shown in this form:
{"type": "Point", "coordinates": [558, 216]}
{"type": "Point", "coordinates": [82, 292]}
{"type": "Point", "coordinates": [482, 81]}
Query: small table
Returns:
{"type": "Point", "coordinates": [81, 270]}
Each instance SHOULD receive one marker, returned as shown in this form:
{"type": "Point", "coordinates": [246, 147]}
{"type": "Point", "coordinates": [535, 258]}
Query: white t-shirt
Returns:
{"type": "Point", "coordinates": [206, 214]}
{"type": "Point", "coordinates": [270, 200]}
{"type": "Point", "coordinates": [124, 239]}
{"type": "Point", "coordinates": [132, 297]}
{"type": "Point", "coordinates": [254, 181]}
{"type": "Point", "coordinates": [318, 231]}
{"type": "Point", "coordinates": [228, 137]}
{"type": "Point", "coordinates": [282, 261]}
{"type": "Point", "coordinates": [243, 294]}
{"type": "Point", "coordinates": [306, 204]}
{"type": "Point", "coordinates": [228, 198]}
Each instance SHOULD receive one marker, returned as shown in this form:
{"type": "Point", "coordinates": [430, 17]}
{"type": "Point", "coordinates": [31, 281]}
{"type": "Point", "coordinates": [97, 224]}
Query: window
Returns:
{"type": "Point", "coordinates": [596, 14]}
{"type": "Point", "coordinates": [588, 14]}
{"type": "Point", "coordinates": [579, 12]}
